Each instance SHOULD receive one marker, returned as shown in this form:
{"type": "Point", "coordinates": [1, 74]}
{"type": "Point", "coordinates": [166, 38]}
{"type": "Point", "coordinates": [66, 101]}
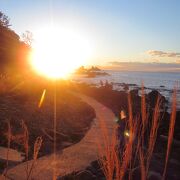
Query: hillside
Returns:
{"type": "Point", "coordinates": [13, 52]}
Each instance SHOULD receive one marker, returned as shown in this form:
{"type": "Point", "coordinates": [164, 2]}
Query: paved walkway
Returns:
{"type": "Point", "coordinates": [75, 157]}
{"type": "Point", "coordinates": [13, 155]}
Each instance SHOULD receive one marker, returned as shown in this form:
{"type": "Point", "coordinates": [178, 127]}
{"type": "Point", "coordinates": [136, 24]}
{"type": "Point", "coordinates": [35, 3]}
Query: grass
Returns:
{"type": "Point", "coordinates": [120, 163]}
{"type": "Point", "coordinates": [25, 144]}
{"type": "Point", "coordinates": [171, 132]}
{"type": "Point", "coordinates": [8, 145]}
{"type": "Point", "coordinates": [3, 84]}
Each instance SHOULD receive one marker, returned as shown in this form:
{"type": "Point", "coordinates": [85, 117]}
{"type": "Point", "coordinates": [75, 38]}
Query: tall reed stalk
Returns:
{"type": "Point", "coordinates": [9, 134]}
{"type": "Point", "coordinates": [171, 131]}
{"type": "Point", "coordinates": [117, 164]}
{"type": "Point", "coordinates": [153, 133]}
{"type": "Point", "coordinates": [37, 146]}
{"type": "Point", "coordinates": [107, 150]}
{"type": "Point", "coordinates": [26, 144]}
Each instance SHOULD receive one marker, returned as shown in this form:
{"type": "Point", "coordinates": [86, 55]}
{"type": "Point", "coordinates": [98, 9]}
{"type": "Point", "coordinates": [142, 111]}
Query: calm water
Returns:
{"type": "Point", "coordinates": [151, 80]}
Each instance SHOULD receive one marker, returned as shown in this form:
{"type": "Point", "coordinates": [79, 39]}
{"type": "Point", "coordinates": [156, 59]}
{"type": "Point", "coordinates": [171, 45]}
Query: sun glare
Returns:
{"type": "Point", "coordinates": [57, 52]}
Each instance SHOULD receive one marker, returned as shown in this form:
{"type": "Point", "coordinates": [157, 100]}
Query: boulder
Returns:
{"type": "Point", "coordinates": [88, 175]}
{"type": "Point", "coordinates": [134, 92]}
{"type": "Point", "coordinates": [152, 99]}
{"type": "Point", "coordinates": [154, 176]}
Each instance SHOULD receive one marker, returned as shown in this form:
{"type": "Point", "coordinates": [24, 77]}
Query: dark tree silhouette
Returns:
{"type": "Point", "coordinates": [13, 52]}
{"type": "Point", "coordinates": [4, 20]}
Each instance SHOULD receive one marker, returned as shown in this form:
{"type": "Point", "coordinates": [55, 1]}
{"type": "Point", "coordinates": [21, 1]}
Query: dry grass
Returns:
{"type": "Point", "coordinates": [25, 143]}
{"type": "Point", "coordinates": [7, 83]}
{"type": "Point", "coordinates": [24, 139]}
{"type": "Point", "coordinates": [3, 84]}
{"type": "Point", "coordinates": [8, 145]}
{"type": "Point", "coordinates": [107, 148]}
{"type": "Point", "coordinates": [171, 132]}
{"type": "Point", "coordinates": [37, 146]}
{"type": "Point", "coordinates": [119, 162]}
{"type": "Point", "coordinates": [153, 133]}
{"type": "Point", "coordinates": [144, 114]}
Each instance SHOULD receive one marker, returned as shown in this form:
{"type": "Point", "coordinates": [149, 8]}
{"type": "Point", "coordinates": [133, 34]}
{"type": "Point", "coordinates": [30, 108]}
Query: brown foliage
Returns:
{"type": "Point", "coordinates": [119, 162]}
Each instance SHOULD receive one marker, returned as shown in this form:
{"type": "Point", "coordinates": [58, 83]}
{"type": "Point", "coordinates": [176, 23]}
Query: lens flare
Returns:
{"type": "Point", "coordinates": [42, 98]}
{"type": "Point", "coordinates": [126, 133]}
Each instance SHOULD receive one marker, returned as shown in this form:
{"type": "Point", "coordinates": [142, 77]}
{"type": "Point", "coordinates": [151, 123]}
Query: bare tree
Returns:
{"type": "Point", "coordinates": [4, 20]}
{"type": "Point", "coordinates": [27, 37]}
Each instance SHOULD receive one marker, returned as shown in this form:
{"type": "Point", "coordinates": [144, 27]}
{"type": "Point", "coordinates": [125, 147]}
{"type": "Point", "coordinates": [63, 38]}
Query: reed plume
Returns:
{"type": "Point", "coordinates": [171, 131]}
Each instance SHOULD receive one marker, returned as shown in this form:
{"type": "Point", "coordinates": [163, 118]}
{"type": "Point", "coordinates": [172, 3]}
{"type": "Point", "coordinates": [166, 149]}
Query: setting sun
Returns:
{"type": "Point", "coordinates": [57, 52]}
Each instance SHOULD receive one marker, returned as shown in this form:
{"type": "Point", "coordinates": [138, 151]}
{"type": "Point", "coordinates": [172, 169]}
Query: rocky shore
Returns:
{"type": "Point", "coordinates": [117, 101]}
{"type": "Point", "coordinates": [91, 72]}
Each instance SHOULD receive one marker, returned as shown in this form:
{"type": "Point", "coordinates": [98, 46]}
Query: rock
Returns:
{"type": "Point", "coordinates": [178, 119]}
{"type": "Point", "coordinates": [96, 169]}
{"type": "Point", "coordinates": [134, 92]}
{"type": "Point", "coordinates": [87, 175]}
{"type": "Point", "coordinates": [136, 173]}
{"type": "Point", "coordinates": [177, 126]}
{"type": "Point", "coordinates": [173, 173]}
{"type": "Point", "coordinates": [174, 142]}
{"type": "Point", "coordinates": [92, 170]}
{"type": "Point", "coordinates": [100, 175]}
{"type": "Point", "coordinates": [132, 84]}
{"type": "Point", "coordinates": [68, 176]}
{"type": "Point", "coordinates": [153, 96]}
{"type": "Point", "coordinates": [95, 164]}
{"type": "Point", "coordinates": [152, 175]}
{"type": "Point", "coordinates": [174, 162]}
{"type": "Point", "coordinates": [156, 164]}
{"type": "Point", "coordinates": [126, 87]}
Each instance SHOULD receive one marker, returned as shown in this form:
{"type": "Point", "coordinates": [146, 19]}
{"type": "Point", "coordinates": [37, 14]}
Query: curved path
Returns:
{"type": "Point", "coordinates": [76, 157]}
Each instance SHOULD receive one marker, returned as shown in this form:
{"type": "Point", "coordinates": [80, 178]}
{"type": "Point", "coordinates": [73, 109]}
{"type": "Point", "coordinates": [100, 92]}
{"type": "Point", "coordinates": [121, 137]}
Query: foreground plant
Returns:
{"type": "Point", "coordinates": [119, 161]}
{"type": "Point", "coordinates": [23, 139]}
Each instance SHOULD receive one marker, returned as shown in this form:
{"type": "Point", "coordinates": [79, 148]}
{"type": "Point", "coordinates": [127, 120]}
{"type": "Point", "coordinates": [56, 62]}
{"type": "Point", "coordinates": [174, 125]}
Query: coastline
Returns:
{"type": "Point", "coordinates": [117, 101]}
{"type": "Point", "coordinates": [164, 82]}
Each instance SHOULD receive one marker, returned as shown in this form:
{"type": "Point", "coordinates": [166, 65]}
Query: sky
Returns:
{"type": "Point", "coordinates": [119, 30]}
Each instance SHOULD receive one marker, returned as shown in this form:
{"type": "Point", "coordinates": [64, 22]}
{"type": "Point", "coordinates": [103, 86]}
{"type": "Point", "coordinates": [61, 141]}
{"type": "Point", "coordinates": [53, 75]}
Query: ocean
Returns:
{"type": "Point", "coordinates": [164, 82]}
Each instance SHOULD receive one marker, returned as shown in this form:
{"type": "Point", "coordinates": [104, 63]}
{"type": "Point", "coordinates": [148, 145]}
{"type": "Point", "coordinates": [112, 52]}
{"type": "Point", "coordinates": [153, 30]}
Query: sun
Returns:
{"type": "Point", "coordinates": [57, 52]}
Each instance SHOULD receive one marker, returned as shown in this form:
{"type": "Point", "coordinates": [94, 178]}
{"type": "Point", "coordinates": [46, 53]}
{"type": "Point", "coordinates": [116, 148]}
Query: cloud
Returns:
{"type": "Point", "coordinates": [164, 54]}
{"type": "Point", "coordinates": [178, 61]}
{"type": "Point", "coordinates": [148, 67]}
{"type": "Point", "coordinates": [115, 63]}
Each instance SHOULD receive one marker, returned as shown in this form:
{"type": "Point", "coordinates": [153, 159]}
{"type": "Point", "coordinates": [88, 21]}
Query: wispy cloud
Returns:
{"type": "Point", "coordinates": [115, 63]}
{"type": "Point", "coordinates": [139, 66]}
{"type": "Point", "coordinates": [164, 54]}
